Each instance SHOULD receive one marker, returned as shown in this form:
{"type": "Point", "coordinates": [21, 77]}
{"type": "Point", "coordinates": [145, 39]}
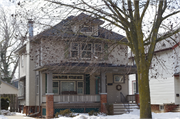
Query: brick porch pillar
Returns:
{"type": "Point", "coordinates": [103, 101]}
{"type": "Point", "coordinates": [103, 94]}
{"type": "Point", "coordinates": [137, 99]}
{"type": "Point", "coordinates": [49, 105]}
{"type": "Point", "coordinates": [49, 97]}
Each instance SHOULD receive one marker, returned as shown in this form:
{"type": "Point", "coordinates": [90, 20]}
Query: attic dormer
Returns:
{"type": "Point", "coordinates": [86, 25]}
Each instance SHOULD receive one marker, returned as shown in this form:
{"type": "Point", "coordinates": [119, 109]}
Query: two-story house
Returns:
{"type": "Point", "coordinates": [75, 64]}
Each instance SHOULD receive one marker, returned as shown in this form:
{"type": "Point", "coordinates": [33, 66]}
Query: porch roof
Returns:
{"type": "Point", "coordinates": [69, 67]}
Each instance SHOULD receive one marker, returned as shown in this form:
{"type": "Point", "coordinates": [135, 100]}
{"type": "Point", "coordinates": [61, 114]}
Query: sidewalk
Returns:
{"type": "Point", "coordinates": [19, 117]}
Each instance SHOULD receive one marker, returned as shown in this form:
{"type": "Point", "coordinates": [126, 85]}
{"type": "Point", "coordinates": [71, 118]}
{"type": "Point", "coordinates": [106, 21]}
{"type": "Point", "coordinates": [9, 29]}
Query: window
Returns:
{"type": "Point", "coordinates": [118, 79]}
{"type": "Point", "coordinates": [37, 84]}
{"type": "Point", "coordinates": [87, 29]}
{"type": "Point", "coordinates": [74, 50]}
{"type": "Point", "coordinates": [161, 107]}
{"type": "Point", "coordinates": [67, 86]}
{"type": "Point", "coordinates": [98, 50]}
{"type": "Point", "coordinates": [21, 88]}
{"type": "Point", "coordinates": [86, 50]}
{"type": "Point", "coordinates": [134, 87]}
{"type": "Point", "coordinates": [55, 87]}
{"type": "Point", "coordinates": [80, 87]}
{"type": "Point", "coordinates": [22, 60]}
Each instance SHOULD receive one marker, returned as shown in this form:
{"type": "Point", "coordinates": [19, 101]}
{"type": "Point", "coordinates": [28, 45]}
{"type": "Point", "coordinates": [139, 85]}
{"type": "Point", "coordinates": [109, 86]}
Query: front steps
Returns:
{"type": "Point", "coordinates": [118, 108]}
{"type": "Point", "coordinates": [177, 109]}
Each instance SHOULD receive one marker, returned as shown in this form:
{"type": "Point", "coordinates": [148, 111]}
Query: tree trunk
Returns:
{"type": "Point", "coordinates": [144, 91]}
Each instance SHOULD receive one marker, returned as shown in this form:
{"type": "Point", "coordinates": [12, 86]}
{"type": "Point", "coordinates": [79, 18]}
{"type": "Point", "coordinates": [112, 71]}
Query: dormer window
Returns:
{"type": "Point", "coordinates": [87, 28]}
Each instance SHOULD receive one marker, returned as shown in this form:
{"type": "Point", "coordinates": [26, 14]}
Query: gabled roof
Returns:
{"type": "Point", "coordinates": [8, 84]}
{"type": "Point", "coordinates": [63, 29]}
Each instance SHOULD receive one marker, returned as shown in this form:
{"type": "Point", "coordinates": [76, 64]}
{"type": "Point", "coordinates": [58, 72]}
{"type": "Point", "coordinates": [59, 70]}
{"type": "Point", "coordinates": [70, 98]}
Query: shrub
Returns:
{"type": "Point", "coordinates": [5, 103]}
{"type": "Point", "coordinates": [109, 108]}
{"type": "Point", "coordinates": [92, 112]}
{"type": "Point", "coordinates": [65, 112]}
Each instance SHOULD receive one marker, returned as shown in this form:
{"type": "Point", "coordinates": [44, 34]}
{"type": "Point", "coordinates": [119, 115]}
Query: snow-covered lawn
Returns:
{"type": "Point", "coordinates": [132, 115]}
{"type": "Point", "coordinates": [3, 117]}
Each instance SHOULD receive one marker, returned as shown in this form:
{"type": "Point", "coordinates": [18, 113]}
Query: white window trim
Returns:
{"type": "Point", "coordinates": [37, 84]}
{"type": "Point", "coordinates": [58, 87]}
{"type": "Point", "coordinates": [97, 51]}
{"type": "Point", "coordinates": [161, 107]}
{"type": "Point", "coordinates": [22, 60]}
{"type": "Point", "coordinates": [68, 77]}
{"type": "Point", "coordinates": [85, 50]}
{"type": "Point", "coordinates": [82, 88]}
{"type": "Point", "coordinates": [74, 50]}
{"type": "Point", "coordinates": [133, 82]}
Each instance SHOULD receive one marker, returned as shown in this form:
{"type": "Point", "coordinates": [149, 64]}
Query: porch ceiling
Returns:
{"type": "Point", "coordinates": [87, 68]}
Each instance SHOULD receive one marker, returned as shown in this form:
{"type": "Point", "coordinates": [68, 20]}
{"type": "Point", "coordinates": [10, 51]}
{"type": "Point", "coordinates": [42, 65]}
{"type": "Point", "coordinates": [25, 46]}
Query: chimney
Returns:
{"type": "Point", "coordinates": [30, 26]}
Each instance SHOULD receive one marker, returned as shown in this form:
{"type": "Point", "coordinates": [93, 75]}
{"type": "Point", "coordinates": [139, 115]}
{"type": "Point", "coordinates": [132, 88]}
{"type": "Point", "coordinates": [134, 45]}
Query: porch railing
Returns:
{"type": "Point", "coordinates": [125, 102]}
{"type": "Point", "coordinates": [74, 98]}
{"type": "Point", "coordinates": [131, 98]}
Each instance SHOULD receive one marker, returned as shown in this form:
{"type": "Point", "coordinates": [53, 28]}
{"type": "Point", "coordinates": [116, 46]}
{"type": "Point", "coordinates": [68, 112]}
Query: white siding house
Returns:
{"type": "Point", "coordinates": [164, 72]}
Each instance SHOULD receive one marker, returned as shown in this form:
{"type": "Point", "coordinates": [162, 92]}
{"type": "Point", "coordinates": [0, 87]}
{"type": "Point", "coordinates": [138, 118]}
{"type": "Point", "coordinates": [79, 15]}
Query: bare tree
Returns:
{"type": "Point", "coordinates": [9, 41]}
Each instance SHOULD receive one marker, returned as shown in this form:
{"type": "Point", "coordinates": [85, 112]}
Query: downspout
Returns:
{"type": "Point", "coordinates": [31, 115]}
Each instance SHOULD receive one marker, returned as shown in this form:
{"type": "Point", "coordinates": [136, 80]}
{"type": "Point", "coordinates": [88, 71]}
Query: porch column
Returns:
{"type": "Point", "coordinates": [49, 97]}
{"type": "Point", "coordinates": [137, 91]}
{"type": "Point", "coordinates": [103, 93]}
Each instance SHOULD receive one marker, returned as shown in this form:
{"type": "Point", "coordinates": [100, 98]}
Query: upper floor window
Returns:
{"type": "Point", "coordinates": [74, 50]}
{"type": "Point", "coordinates": [86, 50]}
{"type": "Point", "coordinates": [98, 49]}
{"type": "Point", "coordinates": [22, 60]}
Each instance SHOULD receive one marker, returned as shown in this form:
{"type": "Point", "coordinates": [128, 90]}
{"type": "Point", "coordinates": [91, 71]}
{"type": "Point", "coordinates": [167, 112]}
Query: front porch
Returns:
{"type": "Point", "coordinates": [83, 91]}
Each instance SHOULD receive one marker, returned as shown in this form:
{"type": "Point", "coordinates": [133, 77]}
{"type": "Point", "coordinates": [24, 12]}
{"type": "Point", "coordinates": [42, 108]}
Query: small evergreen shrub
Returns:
{"type": "Point", "coordinates": [109, 108]}
{"type": "Point", "coordinates": [65, 112]}
{"type": "Point", "coordinates": [5, 103]}
{"type": "Point", "coordinates": [92, 112]}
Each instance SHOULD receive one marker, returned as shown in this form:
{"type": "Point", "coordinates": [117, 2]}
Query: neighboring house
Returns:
{"type": "Point", "coordinates": [6, 88]}
{"type": "Point", "coordinates": [71, 66]}
{"type": "Point", "coordinates": [164, 77]}
{"type": "Point", "coordinates": [10, 91]}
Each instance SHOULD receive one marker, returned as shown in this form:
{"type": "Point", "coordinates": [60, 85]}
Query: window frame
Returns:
{"type": "Point", "coordinates": [68, 81]}
{"type": "Point", "coordinates": [71, 49]}
{"type": "Point", "coordinates": [37, 84]}
{"type": "Point", "coordinates": [98, 51]}
{"type": "Point", "coordinates": [82, 88]}
{"type": "Point", "coordinates": [57, 87]}
{"type": "Point", "coordinates": [123, 81]}
{"type": "Point", "coordinates": [22, 60]}
{"type": "Point", "coordinates": [81, 51]}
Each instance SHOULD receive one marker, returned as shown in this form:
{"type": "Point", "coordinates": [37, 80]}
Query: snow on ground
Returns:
{"type": "Point", "coordinates": [3, 117]}
{"type": "Point", "coordinates": [133, 115]}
